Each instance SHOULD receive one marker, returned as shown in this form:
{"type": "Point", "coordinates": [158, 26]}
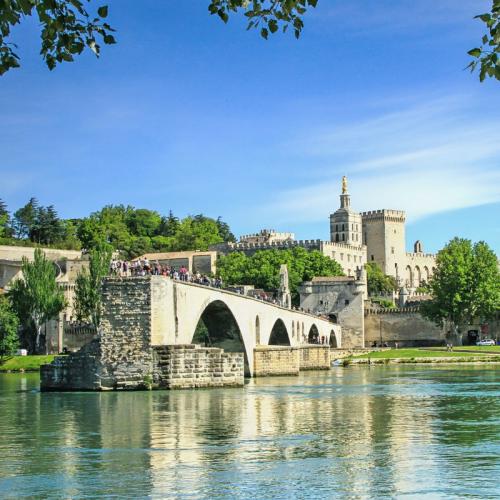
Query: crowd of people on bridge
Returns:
{"type": "Point", "coordinates": [143, 267]}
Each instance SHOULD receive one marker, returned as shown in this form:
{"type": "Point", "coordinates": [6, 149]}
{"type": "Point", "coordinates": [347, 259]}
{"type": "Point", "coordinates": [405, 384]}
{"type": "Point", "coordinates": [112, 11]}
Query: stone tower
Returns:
{"type": "Point", "coordinates": [284, 295]}
{"type": "Point", "coordinates": [345, 224]}
{"type": "Point", "coordinates": [384, 237]}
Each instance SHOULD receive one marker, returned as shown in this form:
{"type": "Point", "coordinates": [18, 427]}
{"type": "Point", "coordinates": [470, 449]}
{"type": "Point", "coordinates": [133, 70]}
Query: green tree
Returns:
{"type": "Point", "coordinates": [37, 297]}
{"type": "Point", "coordinates": [262, 268]}
{"type": "Point", "coordinates": [88, 300]}
{"type": "Point", "coordinates": [378, 282]}
{"type": "Point", "coordinates": [9, 326]}
{"type": "Point", "coordinates": [67, 28]}
{"type": "Point", "coordinates": [465, 285]}
{"type": "Point", "coordinates": [4, 220]}
{"type": "Point", "coordinates": [224, 230]}
{"type": "Point", "coordinates": [25, 219]}
{"type": "Point", "coordinates": [47, 228]}
{"type": "Point", "coordinates": [169, 225]}
{"type": "Point", "coordinates": [143, 222]}
{"type": "Point", "coordinates": [486, 57]}
{"type": "Point", "coordinates": [268, 15]}
{"type": "Point", "coordinates": [196, 233]}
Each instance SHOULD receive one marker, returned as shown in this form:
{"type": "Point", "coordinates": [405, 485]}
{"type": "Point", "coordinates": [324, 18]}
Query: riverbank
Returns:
{"type": "Point", "coordinates": [24, 363]}
{"type": "Point", "coordinates": [428, 355]}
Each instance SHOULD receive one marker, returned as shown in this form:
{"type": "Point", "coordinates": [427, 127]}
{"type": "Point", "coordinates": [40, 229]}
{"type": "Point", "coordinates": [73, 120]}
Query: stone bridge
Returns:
{"type": "Point", "coordinates": [187, 313]}
{"type": "Point", "coordinates": [150, 326]}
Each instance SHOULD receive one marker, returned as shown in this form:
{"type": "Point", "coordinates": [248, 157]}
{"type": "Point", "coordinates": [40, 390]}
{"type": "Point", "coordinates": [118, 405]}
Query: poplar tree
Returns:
{"type": "Point", "coordinates": [37, 297]}
{"type": "Point", "coordinates": [88, 301]}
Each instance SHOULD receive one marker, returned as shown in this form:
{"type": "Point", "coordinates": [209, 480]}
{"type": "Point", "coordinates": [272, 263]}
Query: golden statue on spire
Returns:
{"type": "Point", "coordinates": [344, 184]}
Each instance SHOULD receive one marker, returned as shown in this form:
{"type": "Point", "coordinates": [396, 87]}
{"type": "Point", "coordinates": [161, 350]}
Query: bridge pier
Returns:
{"type": "Point", "coordinates": [142, 316]}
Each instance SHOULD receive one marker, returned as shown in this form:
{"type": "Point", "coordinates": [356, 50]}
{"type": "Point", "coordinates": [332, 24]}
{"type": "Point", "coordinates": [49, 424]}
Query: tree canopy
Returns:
{"type": "Point", "coordinates": [68, 28]}
{"type": "Point", "coordinates": [378, 282]}
{"type": "Point", "coordinates": [131, 231]}
{"type": "Point", "coordinates": [465, 286]}
{"type": "Point", "coordinates": [262, 268]}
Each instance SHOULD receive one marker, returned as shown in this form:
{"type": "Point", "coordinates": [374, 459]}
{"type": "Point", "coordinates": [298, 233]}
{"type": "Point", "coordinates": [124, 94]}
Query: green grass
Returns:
{"type": "Point", "coordinates": [418, 353]}
{"type": "Point", "coordinates": [26, 363]}
{"type": "Point", "coordinates": [479, 348]}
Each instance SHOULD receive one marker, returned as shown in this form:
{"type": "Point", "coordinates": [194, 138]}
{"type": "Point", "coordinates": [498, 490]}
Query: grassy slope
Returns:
{"type": "Point", "coordinates": [418, 353]}
{"type": "Point", "coordinates": [26, 363]}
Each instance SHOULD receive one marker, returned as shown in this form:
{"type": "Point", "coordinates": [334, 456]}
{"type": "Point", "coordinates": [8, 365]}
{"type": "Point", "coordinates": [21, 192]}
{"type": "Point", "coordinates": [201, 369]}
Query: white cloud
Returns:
{"type": "Point", "coordinates": [426, 159]}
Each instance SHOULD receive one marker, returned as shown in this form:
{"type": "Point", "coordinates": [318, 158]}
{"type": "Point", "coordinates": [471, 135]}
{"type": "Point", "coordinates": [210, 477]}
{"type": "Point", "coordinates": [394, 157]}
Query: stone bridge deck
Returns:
{"type": "Point", "coordinates": [231, 320]}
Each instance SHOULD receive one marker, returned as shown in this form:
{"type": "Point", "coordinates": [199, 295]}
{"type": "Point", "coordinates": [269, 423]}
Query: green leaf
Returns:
{"type": "Point", "coordinates": [264, 33]}
{"type": "Point", "coordinates": [103, 11]}
{"type": "Point", "coordinates": [475, 52]}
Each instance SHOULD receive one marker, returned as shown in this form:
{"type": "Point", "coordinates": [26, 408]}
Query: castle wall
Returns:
{"type": "Point", "coordinates": [350, 257]}
{"type": "Point", "coordinates": [341, 299]}
{"type": "Point", "coordinates": [418, 269]}
{"type": "Point", "coordinates": [405, 326]}
{"type": "Point", "coordinates": [384, 237]}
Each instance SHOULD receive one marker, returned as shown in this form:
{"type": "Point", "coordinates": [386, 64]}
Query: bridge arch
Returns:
{"type": "Point", "coordinates": [313, 336]}
{"type": "Point", "coordinates": [333, 340]}
{"type": "Point", "coordinates": [217, 327]}
{"type": "Point", "coordinates": [279, 334]}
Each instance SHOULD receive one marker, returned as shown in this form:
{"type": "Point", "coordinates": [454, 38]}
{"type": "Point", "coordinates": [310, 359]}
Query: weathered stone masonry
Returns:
{"type": "Point", "coordinates": [122, 356]}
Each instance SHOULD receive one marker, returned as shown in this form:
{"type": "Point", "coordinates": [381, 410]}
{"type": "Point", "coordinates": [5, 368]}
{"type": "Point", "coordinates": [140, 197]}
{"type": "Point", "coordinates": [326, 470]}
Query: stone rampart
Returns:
{"type": "Point", "coordinates": [276, 360]}
{"type": "Point", "coordinates": [404, 326]}
{"type": "Point", "coordinates": [122, 356]}
{"type": "Point", "coordinates": [286, 360]}
{"type": "Point", "coordinates": [314, 357]}
{"type": "Point", "coordinates": [191, 366]}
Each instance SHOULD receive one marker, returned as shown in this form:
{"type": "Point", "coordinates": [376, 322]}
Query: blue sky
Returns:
{"type": "Point", "coordinates": [189, 114]}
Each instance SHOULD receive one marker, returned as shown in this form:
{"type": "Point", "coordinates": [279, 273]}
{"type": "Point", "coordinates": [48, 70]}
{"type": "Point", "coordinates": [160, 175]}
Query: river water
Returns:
{"type": "Point", "coordinates": [355, 432]}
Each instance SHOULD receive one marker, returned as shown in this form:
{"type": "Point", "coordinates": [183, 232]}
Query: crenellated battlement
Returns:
{"type": "Point", "coordinates": [345, 246]}
{"type": "Point", "coordinates": [266, 236]}
{"type": "Point", "coordinates": [274, 244]}
{"type": "Point", "coordinates": [384, 214]}
{"type": "Point", "coordinates": [417, 255]}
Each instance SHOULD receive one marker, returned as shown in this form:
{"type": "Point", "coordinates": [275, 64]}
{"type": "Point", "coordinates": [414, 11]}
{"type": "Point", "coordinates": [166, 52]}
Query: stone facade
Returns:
{"type": "Point", "coordinates": [266, 236]}
{"type": "Point", "coordinates": [315, 357]}
{"type": "Point", "coordinates": [123, 357]}
{"type": "Point", "coordinates": [355, 239]}
{"type": "Point", "coordinates": [341, 298]}
{"type": "Point", "coordinates": [384, 237]}
{"type": "Point", "coordinates": [191, 366]}
{"type": "Point", "coordinates": [404, 326]}
{"type": "Point", "coordinates": [276, 360]}
{"type": "Point", "coordinates": [282, 360]}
